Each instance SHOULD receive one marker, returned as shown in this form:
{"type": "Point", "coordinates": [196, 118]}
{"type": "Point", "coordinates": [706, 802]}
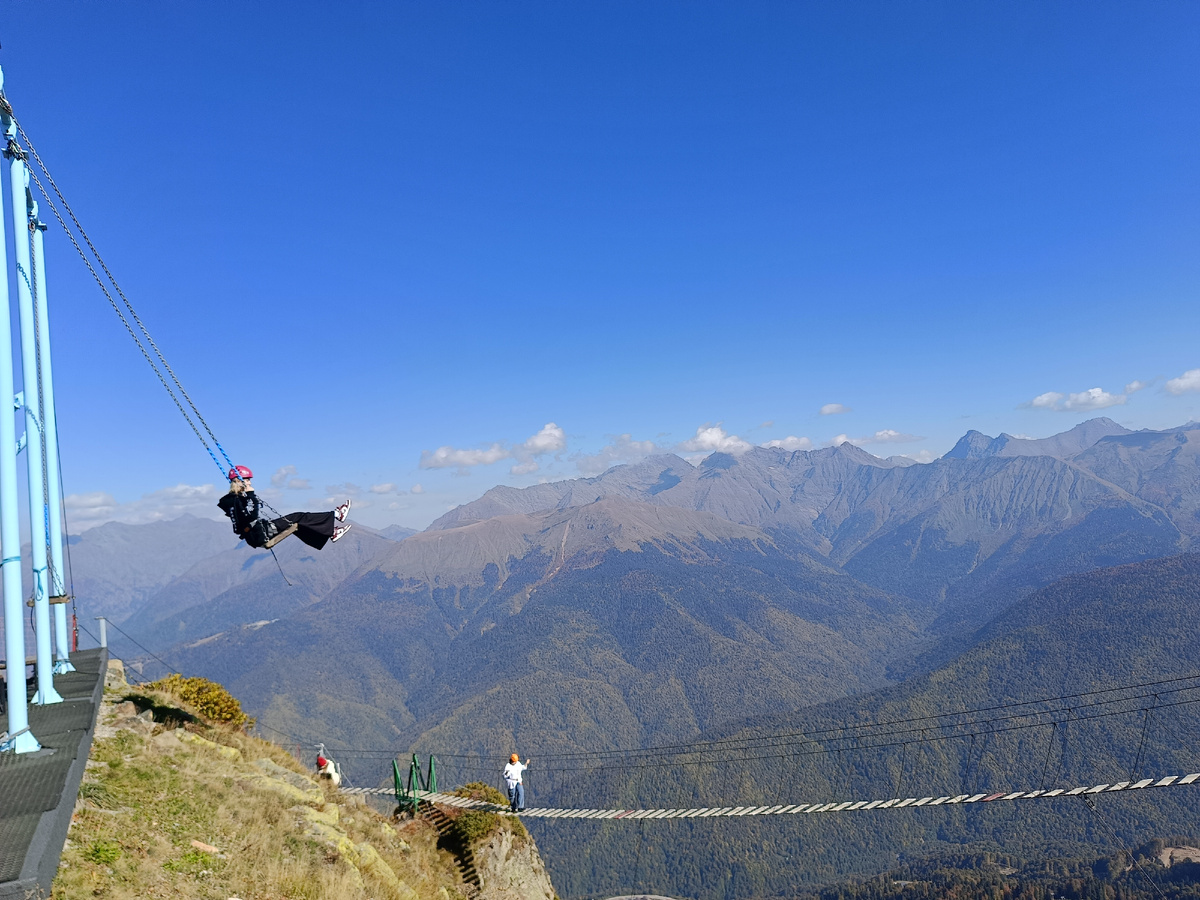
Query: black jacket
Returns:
{"type": "Point", "coordinates": [243, 509]}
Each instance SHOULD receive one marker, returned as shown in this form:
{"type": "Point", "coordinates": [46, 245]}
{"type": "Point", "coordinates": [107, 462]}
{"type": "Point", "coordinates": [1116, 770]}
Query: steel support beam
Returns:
{"type": "Point", "coordinates": [22, 741]}
{"type": "Point", "coordinates": [46, 411]}
{"type": "Point", "coordinates": [19, 179]}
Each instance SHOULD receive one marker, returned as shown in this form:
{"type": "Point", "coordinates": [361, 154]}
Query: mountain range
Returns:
{"type": "Point", "coordinates": [665, 602]}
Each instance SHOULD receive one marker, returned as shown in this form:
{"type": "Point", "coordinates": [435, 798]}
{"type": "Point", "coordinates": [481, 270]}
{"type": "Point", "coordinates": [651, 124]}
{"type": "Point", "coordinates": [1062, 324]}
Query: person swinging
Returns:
{"type": "Point", "coordinates": [243, 508]}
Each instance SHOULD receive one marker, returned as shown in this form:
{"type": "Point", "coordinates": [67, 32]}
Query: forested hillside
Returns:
{"type": "Point", "coordinates": [1123, 626]}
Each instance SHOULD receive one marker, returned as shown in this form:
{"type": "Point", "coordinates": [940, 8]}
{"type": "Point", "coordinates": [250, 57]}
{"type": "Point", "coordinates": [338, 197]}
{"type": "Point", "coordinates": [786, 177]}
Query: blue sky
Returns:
{"type": "Point", "coordinates": [429, 248]}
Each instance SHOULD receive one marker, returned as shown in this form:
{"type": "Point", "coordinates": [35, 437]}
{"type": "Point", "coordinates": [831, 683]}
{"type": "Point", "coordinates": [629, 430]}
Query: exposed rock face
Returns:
{"type": "Point", "coordinates": [510, 868]}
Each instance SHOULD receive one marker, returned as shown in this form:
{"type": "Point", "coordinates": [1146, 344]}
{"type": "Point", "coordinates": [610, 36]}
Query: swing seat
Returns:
{"type": "Point", "coordinates": [279, 536]}
{"type": "Point", "coordinates": [57, 598]}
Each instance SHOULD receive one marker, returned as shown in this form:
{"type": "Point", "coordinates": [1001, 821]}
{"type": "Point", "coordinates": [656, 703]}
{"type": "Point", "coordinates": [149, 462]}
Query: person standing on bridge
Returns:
{"type": "Point", "coordinates": [512, 779]}
{"type": "Point", "coordinates": [242, 506]}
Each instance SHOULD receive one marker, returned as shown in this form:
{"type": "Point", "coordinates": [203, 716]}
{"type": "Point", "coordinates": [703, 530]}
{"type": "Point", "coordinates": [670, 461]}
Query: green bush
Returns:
{"type": "Point", "coordinates": [478, 790]}
{"type": "Point", "coordinates": [208, 698]}
{"type": "Point", "coordinates": [474, 825]}
{"type": "Point", "coordinates": [103, 853]}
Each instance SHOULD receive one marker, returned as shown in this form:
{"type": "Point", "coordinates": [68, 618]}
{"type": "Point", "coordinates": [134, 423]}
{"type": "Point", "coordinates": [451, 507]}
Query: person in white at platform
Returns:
{"type": "Point", "coordinates": [512, 778]}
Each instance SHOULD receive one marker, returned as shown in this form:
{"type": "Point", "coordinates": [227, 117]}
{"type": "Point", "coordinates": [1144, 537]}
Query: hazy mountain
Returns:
{"type": "Point", "coordinates": [975, 445]}
{"type": "Point", "coordinates": [965, 535]}
{"type": "Point", "coordinates": [638, 481]}
{"type": "Point", "coordinates": [117, 566]}
{"type": "Point", "coordinates": [243, 585]}
{"type": "Point", "coordinates": [970, 536]}
{"type": "Point", "coordinates": [397, 532]}
{"type": "Point", "coordinates": [1159, 467]}
{"type": "Point", "coordinates": [600, 625]}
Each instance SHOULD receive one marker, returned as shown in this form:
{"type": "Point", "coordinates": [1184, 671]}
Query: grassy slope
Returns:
{"type": "Point", "coordinates": [151, 790]}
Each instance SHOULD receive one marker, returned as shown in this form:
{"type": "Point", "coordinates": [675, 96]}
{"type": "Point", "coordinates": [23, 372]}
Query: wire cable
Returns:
{"type": "Point", "coordinates": [142, 647]}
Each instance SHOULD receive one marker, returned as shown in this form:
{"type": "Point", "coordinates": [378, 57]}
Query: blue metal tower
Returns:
{"type": "Point", "coordinates": [20, 739]}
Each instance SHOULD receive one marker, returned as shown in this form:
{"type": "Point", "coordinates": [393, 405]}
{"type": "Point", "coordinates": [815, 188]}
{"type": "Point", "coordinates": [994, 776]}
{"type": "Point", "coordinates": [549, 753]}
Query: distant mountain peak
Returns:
{"type": "Point", "coordinates": [976, 445]}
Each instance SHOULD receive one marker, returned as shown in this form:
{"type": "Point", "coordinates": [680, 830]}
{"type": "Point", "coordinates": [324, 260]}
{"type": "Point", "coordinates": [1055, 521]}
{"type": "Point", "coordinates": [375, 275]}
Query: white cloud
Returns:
{"type": "Point", "coordinates": [883, 436]}
{"type": "Point", "coordinates": [284, 477]}
{"type": "Point", "coordinates": [623, 449]}
{"type": "Point", "coordinates": [282, 474]}
{"type": "Point", "coordinates": [1186, 383]}
{"type": "Point", "coordinates": [791, 442]}
{"type": "Point", "coordinates": [386, 488]}
{"type": "Point", "coordinates": [889, 436]}
{"type": "Point", "coordinates": [1048, 400]}
{"type": "Point", "coordinates": [834, 409]}
{"type": "Point", "coordinates": [453, 458]}
{"type": "Point", "coordinates": [347, 489]}
{"type": "Point", "coordinates": [1091, 399]}
{"type": "Point", "coordinates": [770, 423]}
{"type": "Point", "coordinates": [551, 439]}
{"type": "Point", "coordinates": [417, 489]}
{"type": "Point", "coordinates": [88, 510]}
{"type": "Point", "coordinates": [921, 456]}
{"type": "Point", "coordinates": [714, 438]}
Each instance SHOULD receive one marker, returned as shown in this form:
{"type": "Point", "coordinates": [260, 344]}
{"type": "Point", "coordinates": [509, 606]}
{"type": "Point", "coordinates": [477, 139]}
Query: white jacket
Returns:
{"type": "Point", "coordinates": [512, 773]}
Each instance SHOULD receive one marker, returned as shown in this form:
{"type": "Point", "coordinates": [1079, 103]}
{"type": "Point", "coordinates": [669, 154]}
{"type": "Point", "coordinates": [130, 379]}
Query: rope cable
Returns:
{"type": "Point", "coordinates": [845, 732]}
{"type": "Point", "coordinates": [1049, 748]}
{"type": "Point", "coordinates": [125, 300]}
{"type": "Point", "coordinates": [1095, 808]}
{"type": "Point", "coordinates": [134, 641]}
{"type": "Point", "coordinates": [1137, 760]}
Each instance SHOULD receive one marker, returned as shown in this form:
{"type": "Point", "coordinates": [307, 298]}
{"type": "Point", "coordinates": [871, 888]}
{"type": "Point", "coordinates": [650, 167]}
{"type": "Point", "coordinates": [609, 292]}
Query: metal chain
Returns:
{"type": "Point", "coordinates": [124, 321]}
{"type": "Point", "coordinates": [128, 305]}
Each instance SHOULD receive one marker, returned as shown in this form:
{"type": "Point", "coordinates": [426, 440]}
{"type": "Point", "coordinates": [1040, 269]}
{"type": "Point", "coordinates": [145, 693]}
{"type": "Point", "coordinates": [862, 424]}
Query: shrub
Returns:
{"type": "Point", "coordinates": [478, 790]}
{"type": "Point", "coordinates": [103, 853]}
{"type": "Point", "coordinates": [208, 698]}
{"type": "Point", "coordinates": [473, 825]}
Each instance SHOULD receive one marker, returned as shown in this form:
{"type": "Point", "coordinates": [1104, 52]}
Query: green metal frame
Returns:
{"type": "Point", "coordinates": [408, 794]}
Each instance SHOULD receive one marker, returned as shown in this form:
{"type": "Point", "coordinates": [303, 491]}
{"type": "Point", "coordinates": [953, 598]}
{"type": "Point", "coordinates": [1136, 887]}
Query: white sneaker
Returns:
{"type": "Point", "coordinates": [339, 531]}
{"type": "Point", "coordinates": [342, 511]}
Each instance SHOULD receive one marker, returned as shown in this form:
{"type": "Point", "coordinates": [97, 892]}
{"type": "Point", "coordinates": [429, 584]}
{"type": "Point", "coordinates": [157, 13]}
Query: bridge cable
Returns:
{"type": "Point", "coordinates": [1137, 760]}
{"type": "Point", "coordinates": [1049, 748]}
{"type": "Point", "coordinates": [848, 730]}
{"type": "Point", "coordinates": [1095, 808]}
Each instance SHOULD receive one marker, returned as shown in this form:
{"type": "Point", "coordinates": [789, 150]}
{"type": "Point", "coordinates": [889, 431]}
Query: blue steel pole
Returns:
{"type": "Point", "coordinates": [19, 179]}
{"type": "Point", "coordinates": [22, 741]}
{"type": "Point", "coordinates": [62, 657]}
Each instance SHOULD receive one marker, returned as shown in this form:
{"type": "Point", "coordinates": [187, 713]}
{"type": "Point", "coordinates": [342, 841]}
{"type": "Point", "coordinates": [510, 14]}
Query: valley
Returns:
{"type": "Point", "coordinates": [770, 592]}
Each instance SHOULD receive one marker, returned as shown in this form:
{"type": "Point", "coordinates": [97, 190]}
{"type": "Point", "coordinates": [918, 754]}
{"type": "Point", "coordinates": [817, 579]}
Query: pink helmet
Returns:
{"type": "Point", "coordinates": [240, 473]}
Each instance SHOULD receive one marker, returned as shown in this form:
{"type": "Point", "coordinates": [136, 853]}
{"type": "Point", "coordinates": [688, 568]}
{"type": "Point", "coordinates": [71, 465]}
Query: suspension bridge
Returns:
{"type": "Point", "coordinates": [791, 808]}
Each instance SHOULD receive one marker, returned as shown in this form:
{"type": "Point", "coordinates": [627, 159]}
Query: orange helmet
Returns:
{"type": "Point", "coordinates": [513, 758]}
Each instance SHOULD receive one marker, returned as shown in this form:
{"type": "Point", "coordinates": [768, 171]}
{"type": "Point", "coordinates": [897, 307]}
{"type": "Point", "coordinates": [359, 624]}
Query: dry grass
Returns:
{"type": "Point", "coordinates": [146, 798]}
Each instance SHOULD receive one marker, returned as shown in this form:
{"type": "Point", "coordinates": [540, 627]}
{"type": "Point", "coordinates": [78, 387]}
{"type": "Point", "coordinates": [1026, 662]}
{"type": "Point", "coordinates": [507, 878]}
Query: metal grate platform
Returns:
{"type": "Point", "coordinates": [38, 790]}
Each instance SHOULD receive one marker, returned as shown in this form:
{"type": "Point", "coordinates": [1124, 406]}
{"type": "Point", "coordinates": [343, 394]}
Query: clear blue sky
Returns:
{"type": "Point", "coordinates": [362, 232]}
